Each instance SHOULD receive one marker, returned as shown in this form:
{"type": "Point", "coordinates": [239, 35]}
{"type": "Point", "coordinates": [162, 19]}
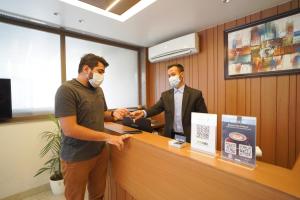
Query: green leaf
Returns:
{"type": "Point", "coordinates": [42, 170]}
{"type": "Point", "coordinates": [51, 148]}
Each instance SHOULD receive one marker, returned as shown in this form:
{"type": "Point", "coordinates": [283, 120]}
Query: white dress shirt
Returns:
{"type": "Point", "coordinates": [178, 96]}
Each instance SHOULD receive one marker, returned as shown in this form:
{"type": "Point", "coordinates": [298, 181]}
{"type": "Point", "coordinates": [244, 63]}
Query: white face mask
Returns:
{"type": "Point", "coordinates": [174, 81]}
{"type": "Point", "coordinates": [96, 80]}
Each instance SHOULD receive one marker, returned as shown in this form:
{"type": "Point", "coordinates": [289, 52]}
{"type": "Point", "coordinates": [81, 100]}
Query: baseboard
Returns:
{"type": "Point", "coordinates": [28, 193]}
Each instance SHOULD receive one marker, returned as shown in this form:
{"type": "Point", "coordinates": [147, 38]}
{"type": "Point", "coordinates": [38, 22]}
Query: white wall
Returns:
{"type": "Point", "coordinates": [20, 145]}
{"type": "Point", "coordinates": [143, 61]}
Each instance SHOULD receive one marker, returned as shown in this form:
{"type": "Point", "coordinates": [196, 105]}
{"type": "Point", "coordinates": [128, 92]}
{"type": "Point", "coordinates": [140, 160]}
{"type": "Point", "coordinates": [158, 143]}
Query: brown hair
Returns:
{"type": "Point", "coordinates": [179, 67]}
{"type": "Point", "coordinates": [92, 61]}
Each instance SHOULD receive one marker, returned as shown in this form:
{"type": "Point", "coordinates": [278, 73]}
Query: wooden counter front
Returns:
{"type": "Point", "coordinates": [150, 169]}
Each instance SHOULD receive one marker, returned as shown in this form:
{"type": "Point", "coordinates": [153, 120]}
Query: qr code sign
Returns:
{"type": "Point", "coordinates": [245, 151]}
{"type": "Point", "coordinates": [230, 148]}
{"type": "Point", "coordinates": [202, 132]}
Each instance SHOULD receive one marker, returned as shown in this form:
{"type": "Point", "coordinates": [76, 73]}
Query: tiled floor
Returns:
{"type": "Point", "coordinates": [47, 195]}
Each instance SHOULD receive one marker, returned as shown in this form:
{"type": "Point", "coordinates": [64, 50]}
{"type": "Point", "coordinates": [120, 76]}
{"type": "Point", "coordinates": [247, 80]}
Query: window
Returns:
{"type": "Point", "coordinates": [31, 59]}
{"type": "Point", "coordinates": [120, 84]}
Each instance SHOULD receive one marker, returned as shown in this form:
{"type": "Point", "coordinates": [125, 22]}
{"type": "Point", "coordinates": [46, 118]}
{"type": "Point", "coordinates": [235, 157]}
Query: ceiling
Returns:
{"type": "Point", "coordinates": [161, 21]}
{"type": "Point", "coordinates": [118, 9]}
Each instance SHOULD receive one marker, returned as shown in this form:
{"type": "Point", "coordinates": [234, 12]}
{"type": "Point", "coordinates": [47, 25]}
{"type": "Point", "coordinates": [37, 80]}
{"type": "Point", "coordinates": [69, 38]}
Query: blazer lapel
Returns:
{"type": "Point", "coordinates": [171, 101]}
{"type": "Point", "coordinates": [185, 100]}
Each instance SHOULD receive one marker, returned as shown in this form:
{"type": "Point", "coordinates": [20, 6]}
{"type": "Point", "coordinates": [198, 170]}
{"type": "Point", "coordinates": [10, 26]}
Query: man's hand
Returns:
{"type": "Point", "coordinates": [120, 113]}
{"type": "Point", "coordinates": [137, 114]}
{"type": "Point", "coordinates": [117, 141]}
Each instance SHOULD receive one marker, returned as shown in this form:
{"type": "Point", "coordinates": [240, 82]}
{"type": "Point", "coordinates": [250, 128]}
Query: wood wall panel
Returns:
{"type": "Point", "coordinates": [282, 110]}
{"type": "Point", "coordinates": [268, 118]}
{"type": "Point", "coordinates": [215, 69]}
{"type": "Point", "coordinates": [292, 120]}
{"type": "Point", "coordinates": [186, 61]}
{"type": "Point", "coordinates": [210, 71]}
{"type": "Point", "coordinates": [202, 62]}
{"type": "Point", "coordinates": [241, 97]}
{"type": "Point", "coordinates": [150, 86]}
{"type": "Point", "coordinates": [156, 81]}
{"type": "Point", "coordinates": [195, 71]}
{"type": "Point", "coordinates": [248, 97]}
{"type": "Point", "coordinates": [190, 70]}
{"type": "Point", "coordinates": [221, 82]}
{"type": "Point", "coordinates": [167, 78]}
{"type": "Point", "coordinates": [298, 116]}
{"type": "Point", "coordinates": [255, 105]}
{"type": "Point", "coordinates": [274, 100]}
{"type": "Point", "coordinates": [202, 71]}
{"type": "Point", "coordinates": [162, 77]}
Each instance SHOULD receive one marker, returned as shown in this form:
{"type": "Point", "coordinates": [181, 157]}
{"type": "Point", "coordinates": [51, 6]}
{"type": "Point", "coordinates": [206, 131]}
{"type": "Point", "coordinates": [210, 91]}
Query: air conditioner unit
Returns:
{"type": "Point", "coordinates": [178, 47]}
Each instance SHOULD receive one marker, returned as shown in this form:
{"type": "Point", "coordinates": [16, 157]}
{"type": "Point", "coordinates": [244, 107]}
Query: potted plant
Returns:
{"type": "Point", "coordinates": [52, 149]}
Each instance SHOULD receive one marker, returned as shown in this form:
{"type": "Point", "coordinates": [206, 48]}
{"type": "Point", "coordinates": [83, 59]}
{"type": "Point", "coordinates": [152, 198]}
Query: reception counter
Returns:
{"type": "Point", "coordinates": [148, 168]}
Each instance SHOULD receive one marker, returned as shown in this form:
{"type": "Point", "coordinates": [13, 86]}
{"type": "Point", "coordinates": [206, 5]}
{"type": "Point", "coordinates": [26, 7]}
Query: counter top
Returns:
{"type": "Point", "coordinates": [268, 176]}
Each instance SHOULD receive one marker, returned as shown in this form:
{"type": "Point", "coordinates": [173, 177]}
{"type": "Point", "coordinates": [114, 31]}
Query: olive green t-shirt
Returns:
{"type": "Point", "coordinates": [88, 105]}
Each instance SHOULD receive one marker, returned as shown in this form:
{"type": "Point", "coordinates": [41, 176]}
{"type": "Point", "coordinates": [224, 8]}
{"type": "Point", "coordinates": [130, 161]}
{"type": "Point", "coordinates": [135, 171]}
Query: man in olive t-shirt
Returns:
{"type": "Point", "coordinates": [81, 108]}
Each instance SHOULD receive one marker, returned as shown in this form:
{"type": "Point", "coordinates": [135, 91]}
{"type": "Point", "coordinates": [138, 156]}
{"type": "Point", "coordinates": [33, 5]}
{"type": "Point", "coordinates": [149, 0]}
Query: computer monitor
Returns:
{"type": "Point", "coordinates": [143, 124]}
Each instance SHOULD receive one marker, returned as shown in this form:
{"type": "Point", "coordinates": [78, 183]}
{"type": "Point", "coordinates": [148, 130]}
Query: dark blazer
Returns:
{"type": "Point", "coordinates": [192, 102]}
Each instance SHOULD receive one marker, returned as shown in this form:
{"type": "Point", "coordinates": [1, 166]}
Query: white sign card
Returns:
{"type": "Point", "coordinates": [204, 132]}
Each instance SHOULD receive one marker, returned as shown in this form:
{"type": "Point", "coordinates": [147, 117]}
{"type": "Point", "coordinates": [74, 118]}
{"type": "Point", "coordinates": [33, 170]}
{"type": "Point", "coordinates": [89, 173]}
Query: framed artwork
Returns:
{"type": "Point", "coordinates": [267, 47]}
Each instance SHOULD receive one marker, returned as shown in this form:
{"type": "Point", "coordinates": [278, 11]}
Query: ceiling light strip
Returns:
{"type": "Point", "coordinates": [126, 15]}
{"type": "Point", "coordinates": [112, 5]}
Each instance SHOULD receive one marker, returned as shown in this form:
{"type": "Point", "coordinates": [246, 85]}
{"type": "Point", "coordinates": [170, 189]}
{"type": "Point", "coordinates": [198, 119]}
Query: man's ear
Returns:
{"type": "Point", "coordinates": [85, 68]}
{"type": "Point", "coordinates": [181, 74]}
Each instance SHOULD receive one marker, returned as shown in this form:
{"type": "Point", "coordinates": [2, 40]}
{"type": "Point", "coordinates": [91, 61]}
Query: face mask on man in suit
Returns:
{"type": "Point", "coordinates": [174, 81]}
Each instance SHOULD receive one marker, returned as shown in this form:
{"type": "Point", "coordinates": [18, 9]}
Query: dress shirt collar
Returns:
{"type": "Point", "coordinates": [180, 90]}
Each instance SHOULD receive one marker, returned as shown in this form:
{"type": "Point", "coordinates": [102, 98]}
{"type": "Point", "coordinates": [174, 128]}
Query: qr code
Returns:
{"type": "Point", "coordinates": [245, 151]}
{"type": "Point", "coordinates": [202, 132]}
{"type": "Point", "coordinates": [230, 148]}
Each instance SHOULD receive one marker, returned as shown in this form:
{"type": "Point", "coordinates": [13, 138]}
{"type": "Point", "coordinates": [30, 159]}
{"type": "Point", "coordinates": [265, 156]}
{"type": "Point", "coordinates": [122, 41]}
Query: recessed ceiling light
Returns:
{"type": "Point", "coordinates": [81, 20]}
{"type": "Point", "coordinates": [56, 13]}
{"type": "Point", "coordinates": [126, 15]}
{"type": "Point", "coordinates": [225, 1]}
{"type": "Point", "coordinates": [112, 5]}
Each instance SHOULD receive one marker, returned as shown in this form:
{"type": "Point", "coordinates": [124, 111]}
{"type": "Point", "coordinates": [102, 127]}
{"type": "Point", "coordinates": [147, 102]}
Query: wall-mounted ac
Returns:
{"type": "Point", "coordinates": [178, 47]}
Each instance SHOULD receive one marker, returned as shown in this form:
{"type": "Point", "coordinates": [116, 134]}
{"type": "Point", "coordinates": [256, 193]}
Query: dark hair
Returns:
{"type": "Point", "coordinates": [92, 61]}
{"type": "Point", "coordinates": [179, 67]}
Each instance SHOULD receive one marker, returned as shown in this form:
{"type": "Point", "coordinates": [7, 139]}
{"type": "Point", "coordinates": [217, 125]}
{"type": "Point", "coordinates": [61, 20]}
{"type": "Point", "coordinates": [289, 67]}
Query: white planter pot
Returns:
{"type": "Point", "coordinates": [57, 187]}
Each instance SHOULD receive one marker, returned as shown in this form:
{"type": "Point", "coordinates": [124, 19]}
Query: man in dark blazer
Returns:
{"type": "Point", "coordinates": [178, 103]}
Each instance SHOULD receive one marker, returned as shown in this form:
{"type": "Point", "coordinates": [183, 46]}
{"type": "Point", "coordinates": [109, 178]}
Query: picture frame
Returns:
{"type": "Point", "coordinates": [266, 47]}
